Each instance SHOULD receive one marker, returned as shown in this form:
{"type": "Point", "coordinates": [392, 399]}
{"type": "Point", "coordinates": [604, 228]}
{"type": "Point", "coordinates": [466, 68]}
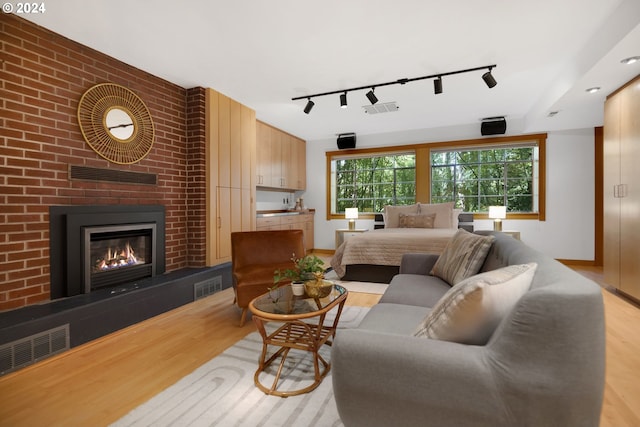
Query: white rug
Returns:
{"type": "Point", "coordinates": [222, 392]}
{"type": "Point", "coordinates": [364, 287]}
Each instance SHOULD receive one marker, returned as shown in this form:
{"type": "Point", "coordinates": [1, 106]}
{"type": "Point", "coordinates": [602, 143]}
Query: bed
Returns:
{"type": "Point", "coordinates": [375, 256]}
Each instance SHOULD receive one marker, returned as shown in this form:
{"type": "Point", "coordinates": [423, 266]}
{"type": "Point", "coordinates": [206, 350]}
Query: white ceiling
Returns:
{"type": "Point", "coordinates": [263, 53]}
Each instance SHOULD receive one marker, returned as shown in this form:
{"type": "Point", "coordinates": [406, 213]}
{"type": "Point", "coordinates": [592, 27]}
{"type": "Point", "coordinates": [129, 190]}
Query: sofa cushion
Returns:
{"type": "Point", "coordinates": [415, 289]}
{"type": "Point", "coordinates": [471, 310]}
{"type": "Point", "coordinates": [462, 257]}
{"type": "Point", "coordinates": [416, 220]}
{"type": "Point", "coordinates": [393, 318]}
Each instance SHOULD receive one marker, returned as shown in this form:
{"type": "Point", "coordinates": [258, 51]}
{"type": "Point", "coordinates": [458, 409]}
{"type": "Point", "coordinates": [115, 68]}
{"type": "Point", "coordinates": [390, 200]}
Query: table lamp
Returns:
{"type": "Point", "coordinates": [351, 214]}
{"type": "Point", "coordinates": [497, 213]}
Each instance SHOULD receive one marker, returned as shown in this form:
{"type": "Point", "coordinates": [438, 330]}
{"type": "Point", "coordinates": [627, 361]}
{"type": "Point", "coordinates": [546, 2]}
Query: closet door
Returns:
{"type": "Point", "coordinates": [630, 190]}
{"type": "Point", "coordinates": [611, 185]}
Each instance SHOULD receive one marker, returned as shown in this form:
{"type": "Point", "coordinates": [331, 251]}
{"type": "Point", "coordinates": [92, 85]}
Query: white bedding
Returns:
{"type": "Point", "coordinates": [387, 245]}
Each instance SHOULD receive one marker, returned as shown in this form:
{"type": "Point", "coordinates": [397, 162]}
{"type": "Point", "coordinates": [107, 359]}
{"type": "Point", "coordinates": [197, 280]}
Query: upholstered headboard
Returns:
{"type": "Point", "coordinates": [465, 220]}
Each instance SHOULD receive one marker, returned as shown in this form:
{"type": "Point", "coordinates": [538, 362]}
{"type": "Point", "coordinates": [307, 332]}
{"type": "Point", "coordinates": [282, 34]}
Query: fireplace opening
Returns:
{"type": "Point", "coordinates": [118, 254]}
{"type": "Point", "coordinates": [129, 239]}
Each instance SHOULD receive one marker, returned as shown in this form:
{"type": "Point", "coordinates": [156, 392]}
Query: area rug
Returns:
{"type": "Point", "coordinates": [222, 392]}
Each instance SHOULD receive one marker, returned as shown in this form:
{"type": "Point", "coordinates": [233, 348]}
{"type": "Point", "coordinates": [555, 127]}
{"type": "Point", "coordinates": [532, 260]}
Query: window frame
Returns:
{"type": "Point", "coordinates": [423, 168]}
{"type": "Point", "coordinates": [360, 154]}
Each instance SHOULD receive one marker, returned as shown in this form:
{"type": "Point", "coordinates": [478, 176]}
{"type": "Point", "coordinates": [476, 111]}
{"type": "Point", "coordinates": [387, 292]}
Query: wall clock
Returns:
{"type": "Point", "coordinates": [115, 123]}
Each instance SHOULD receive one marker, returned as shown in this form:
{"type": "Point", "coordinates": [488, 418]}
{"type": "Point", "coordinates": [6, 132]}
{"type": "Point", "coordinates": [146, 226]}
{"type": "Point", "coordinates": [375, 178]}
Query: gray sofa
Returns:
{"type": "Point", "coordinates": [542, 366]}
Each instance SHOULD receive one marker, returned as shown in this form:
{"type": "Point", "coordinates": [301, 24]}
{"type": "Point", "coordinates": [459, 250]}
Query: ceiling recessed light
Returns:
{"type": "Point", "coordinates": [630, 60]}
{"type": "Point", "coordinates": [593, 89]}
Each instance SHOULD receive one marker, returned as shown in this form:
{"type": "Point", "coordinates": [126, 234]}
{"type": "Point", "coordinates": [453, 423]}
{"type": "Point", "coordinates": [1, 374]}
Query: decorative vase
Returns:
{"type": "Point", "coordinates": [318, 288]}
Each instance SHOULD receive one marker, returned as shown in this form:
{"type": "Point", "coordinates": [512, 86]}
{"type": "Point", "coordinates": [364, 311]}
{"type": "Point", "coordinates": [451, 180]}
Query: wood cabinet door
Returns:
{"type": "Point", "coordinates": [263, 155]}
{"type": "Point", "coordinates": [276, 158]}
{"type": "Point", "coordinates": [223, 243]}
{"type": "Point", "coordinates": [301, 160]}
{"type": "Point", "coordinates": [630, 189]}
{"type": "Point", "coordinates": [611, 201]}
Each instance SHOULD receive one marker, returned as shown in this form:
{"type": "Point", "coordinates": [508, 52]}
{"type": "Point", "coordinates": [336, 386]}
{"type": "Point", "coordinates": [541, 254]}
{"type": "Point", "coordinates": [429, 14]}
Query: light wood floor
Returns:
{"type": "Point", "coordinates": [97, 383]}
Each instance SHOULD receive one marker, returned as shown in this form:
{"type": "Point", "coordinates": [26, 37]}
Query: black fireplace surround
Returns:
{"type": "Point", "coordinates": [107, 308]}
{"type": "Point", "coordinates": [68, 238]}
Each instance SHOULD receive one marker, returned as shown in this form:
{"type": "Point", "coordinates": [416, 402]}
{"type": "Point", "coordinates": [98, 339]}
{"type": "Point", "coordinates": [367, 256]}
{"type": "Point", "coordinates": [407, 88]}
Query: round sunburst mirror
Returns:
{"type": "Point", "coordinates": [115, 123]}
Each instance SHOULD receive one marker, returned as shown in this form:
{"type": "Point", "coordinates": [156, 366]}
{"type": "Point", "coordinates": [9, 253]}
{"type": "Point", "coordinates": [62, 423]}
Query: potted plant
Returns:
{"type": "Point", "coordinates": [306, 275]}
{"type": "Point", "coordinates": [305, 268]}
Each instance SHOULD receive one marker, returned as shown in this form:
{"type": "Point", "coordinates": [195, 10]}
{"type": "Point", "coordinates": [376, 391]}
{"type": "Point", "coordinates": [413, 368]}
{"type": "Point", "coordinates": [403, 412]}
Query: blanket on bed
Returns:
{"type": "Point", "coordinates": [387, 245]}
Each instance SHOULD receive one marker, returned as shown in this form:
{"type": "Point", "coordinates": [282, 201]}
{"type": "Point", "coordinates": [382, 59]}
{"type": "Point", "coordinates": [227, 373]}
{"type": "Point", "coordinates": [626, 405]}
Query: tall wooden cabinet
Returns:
{"type": "Point", "coordinates": [231, 171]}
{"type": "Point", "coordinates": [622, 189]}
{"type": "Point", "coordinates": [280, 159]}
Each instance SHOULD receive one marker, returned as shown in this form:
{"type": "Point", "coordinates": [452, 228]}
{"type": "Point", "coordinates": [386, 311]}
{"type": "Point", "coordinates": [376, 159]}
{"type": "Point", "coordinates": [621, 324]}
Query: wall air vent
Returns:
{"type": "Point", "coordinates": [207, 287]}
{"type": "Point", "coordinates": [387, 107]}
{"type": "Point", "coordinates": [29, 350]}
{"type": "Point", "coordinates": [86, 173]}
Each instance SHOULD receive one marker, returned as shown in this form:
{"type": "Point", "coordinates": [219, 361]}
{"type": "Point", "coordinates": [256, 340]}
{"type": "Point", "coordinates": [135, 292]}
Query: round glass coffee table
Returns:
{"type": "Point", "coordinates": [303, 328]}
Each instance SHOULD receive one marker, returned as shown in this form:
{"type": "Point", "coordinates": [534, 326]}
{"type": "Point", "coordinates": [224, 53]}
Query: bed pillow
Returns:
{"type": "Point", "coordinates": [391, 213]}
{"type": "Point", "coordinates": [416, 220]}
{"type": "Point", "coordinates": [462, 257]}
{"type": "Point", "coordinates": [471, 310]}
{"type": "Point", "coordinates": [443, 211]}
{"type": "Point", "coordinates": [455, 213]}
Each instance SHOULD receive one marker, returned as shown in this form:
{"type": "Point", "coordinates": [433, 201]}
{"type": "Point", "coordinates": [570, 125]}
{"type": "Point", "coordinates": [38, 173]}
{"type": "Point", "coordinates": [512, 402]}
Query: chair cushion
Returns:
{"type": "Point", "coordinates": [462, 257]}
{"type": "Point", "coordinates": [472, 309]}
{"type": "Point", "coordinates": [259, 274]}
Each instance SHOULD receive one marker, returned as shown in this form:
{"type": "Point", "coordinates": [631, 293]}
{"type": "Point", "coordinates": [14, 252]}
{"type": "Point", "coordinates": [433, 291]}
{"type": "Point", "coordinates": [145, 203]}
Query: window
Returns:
{"type": "Point", "coordinates": [369, 182]}
{"type": "Point", "coordinates": [475, 174]}
{"type": "Point", "coordinates": [478, 177]}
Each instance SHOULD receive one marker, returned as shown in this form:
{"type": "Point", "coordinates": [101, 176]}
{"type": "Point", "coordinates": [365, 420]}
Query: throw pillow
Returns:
{"type": "Point", "coordinates": [391, 214]}
{"type": "Point", "coordinates": [416, 220]}
{"type": "Point", "coordinates": [462, 257]}
{"type": "Point", "coordinates": [471, 310]}
{"type": "Point", "coordinates": [443, 211]}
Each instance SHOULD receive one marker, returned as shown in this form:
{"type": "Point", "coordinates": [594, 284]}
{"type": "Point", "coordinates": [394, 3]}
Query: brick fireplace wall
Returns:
{"type": "Point", "coordinates": [43, 75]}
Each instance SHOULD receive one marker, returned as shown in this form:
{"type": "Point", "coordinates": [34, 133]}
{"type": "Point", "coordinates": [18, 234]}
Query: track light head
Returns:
{"type": "Point", "coordinates": [488, 79]}
{"type": "Point", "coordinates": [309, 106]}
{"type": "Point", "coordinates": [343, 100]}
{"type": "Point", "coordinates": [372, 97]}
{"type": "Point", "coordinates": [437, 85]}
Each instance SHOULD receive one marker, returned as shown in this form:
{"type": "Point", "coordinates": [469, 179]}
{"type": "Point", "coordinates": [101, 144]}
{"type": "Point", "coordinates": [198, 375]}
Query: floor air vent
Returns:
{"type": "Point", "coordinates": [207, 287]}
{"type": "Point", "coordinates": [29, 350]}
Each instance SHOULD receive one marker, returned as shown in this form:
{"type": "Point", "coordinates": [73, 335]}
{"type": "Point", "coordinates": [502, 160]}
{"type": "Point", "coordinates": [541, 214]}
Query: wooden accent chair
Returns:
{"type": "Point", "coordinates": [255, 255]}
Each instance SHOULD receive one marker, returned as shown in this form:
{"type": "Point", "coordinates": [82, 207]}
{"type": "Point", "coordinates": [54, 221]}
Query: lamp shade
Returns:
{"type": "Point", "coordinates": [497, 212]}
{"type": "Point", "coordinates": [351, 213]}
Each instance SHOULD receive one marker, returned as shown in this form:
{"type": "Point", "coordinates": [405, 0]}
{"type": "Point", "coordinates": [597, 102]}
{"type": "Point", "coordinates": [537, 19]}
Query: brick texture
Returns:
{"type": "Point", "coordinates": [43, 75]}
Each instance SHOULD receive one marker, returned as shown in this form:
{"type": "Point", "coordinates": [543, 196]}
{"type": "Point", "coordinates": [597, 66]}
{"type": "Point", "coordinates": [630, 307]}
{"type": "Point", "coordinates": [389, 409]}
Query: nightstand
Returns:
{"type": "Point", "coordinates": [342, 234]}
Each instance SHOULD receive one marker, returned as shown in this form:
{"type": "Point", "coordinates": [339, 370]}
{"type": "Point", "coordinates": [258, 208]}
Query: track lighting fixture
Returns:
{"type": "Point", "coordinates": [343, 100]}
{"type": "Point", "coordinates": [488, 79]}
{"type": "Point", "coordinates": [437, 85]}
{"type": "Point", "coordinates": [309, 106]}
{"type": "Point", "coordinates": [371, 96]}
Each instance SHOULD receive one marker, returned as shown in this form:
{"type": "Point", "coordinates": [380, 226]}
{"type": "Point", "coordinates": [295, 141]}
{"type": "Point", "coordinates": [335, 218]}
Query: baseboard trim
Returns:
{"type": "Point", "coordinates": [577, 262]}
{"type": "Point", "coordinates": [324, 251]}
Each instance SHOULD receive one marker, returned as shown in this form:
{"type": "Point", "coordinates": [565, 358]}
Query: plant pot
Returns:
{"type": "Point", "coordinates": [297, 288]}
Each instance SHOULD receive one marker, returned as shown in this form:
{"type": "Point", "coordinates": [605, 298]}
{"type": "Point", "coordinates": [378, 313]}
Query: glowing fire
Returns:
{"type": "Point", "coordinates": [118, 258]}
